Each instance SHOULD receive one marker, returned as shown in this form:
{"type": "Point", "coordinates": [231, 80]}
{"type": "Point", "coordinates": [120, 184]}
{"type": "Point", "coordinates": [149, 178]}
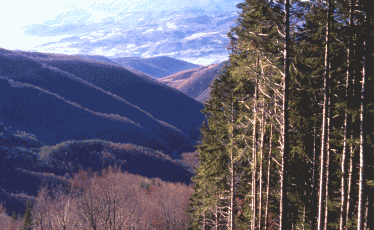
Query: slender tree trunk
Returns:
{"type": "Point", "coordinates": [254, 159]}
{"type": "Point", "coordinates": [303, 227]}
{"type": "Point", "coordinates": [366, 212]}
{"type": "Point", "coordinates": [327, 65]}
{"type": "Point", "coordinates": [216, 216]}
{"type": "Point", "coordinates": [263, 123]}
{"type": "Point", "coordinates": [342, 222]}
{"type": "Point", "coordinates": [328, 159]}
{"type": "Point", "coordinates": [349, 98]}
{"type": "Point", "coordinates": [204, 220]}
{"type": "Point", "coordinates": [268, 179]}
{"type": "Point", "coordinates": [283, 209]}
{"type": "Point", "coordinates": [361, 163]}
{"type": "Point", "coordinates": [324, 128]}
{"type": "Point", "coordinates": [342, 180]}
{"type": "Point", "coordinates": [232, 192]}
{"type": "Point", "coordinates": [313, 218]}
{"type": "Point", "coordinates": [349, 185]}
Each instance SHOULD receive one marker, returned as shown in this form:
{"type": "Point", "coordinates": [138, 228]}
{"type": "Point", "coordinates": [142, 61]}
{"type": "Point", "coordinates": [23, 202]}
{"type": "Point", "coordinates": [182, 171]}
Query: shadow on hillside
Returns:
{"type": "Point", "coordinates": [30, 164]}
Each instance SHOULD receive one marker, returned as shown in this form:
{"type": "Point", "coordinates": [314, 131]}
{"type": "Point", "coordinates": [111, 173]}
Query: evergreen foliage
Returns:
{"type": "Point", "coordinates": [330, 136]}
{"type": "Point", "coordinates": [27, 220]}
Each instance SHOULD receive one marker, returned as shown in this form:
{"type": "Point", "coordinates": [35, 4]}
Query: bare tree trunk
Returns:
{"type": "Point", "coordinates": [344, 153]}
{"type": "Point", "coordinates": [303, 227]}
{"type": "Point", "coordinates": [350, 96]}
{"type": "Point", "coordinates": [324, 137]}
{"type": "Point", "coordinates": [231, 211]}
{"type": "Point", "coordinates": [268, 179]}
{"type": "Point", "coordinates": [204, 214]}
{"type": "Point", "coordinates": [349, 185]}
{"type": "Point", "coordinates": [254, 160]}
{"type": "Point", "coordinates": [283, 210]}
{"type": "Point", "coordinates": [231, 208]}
{"type": "Point", "coordinates": [342, 181]}
{"type": "Point", "coordinates": [263, 123]}
{"type": "Point", "coordinates": [327, 65]}
{"type": "Point", "coordinates": [361, 164]}
{"type": "Point", "coordinates": [366, 212]}
{"type": "Point", "coordinates": [327, 169]}
{"type": "Point", "coordinates": [216, 217]}
{"type": "Point", "coordinates": [314, 176]}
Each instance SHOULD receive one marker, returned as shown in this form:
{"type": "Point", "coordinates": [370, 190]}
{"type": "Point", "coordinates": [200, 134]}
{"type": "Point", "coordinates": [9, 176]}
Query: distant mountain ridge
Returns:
{"type": "Point", "coordinates": [156, 67]}
{"type": "Point", "coordinates": [98, 100]}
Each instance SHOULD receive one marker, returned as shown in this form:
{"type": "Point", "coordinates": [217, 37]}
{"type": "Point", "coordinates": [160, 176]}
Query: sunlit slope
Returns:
{"type": "Point", "coordinates": [195, 82]}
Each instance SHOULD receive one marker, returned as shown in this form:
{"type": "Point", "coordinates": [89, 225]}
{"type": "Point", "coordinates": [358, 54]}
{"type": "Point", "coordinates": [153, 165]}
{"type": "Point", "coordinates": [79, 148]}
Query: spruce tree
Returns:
{"type": "Point", "coordinates": [27, 220]}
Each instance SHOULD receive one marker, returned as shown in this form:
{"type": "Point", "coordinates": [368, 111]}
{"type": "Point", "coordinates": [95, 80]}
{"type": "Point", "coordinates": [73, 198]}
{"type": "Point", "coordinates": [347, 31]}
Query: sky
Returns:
{"type": "Point", "coordinates": [16, 15]}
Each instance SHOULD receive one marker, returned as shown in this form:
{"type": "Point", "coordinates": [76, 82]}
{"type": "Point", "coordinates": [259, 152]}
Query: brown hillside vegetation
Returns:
{"type": "Point", "coordinates": [195, 83]}
{"type": "Point", "coordinates": [114, 200]}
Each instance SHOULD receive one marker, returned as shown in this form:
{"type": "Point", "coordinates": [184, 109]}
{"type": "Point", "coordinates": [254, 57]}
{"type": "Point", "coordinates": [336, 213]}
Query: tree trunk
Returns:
{"type": "Point", "coordinates": [324, 129]}
{"type": "Point", "coordinates": [328, 159]}
{"type": "Point", "coordinates": [254, 160]}
{"type": "Point", "coordinates": [349, 185]}
{"type": "Point", "coordinates": [342, 222]}
{"type": "Point", "coordinates": [349, 98]}
{"type": "Point", "coordinates": [268, 179]}
{"type": "Point", "coordinates": [231, 208]}
{"type": "Point", "coordinates": [327, 65]}
{"type": "Point", "coordinates": [313, 219]}
{"type": "Point", "coordinates": [283, 209]}
{"type": "Point", "coordinates": [361, 163]}
{"type": "Point", "coordinates": [260, 162]}
{"type": "Point", "coordinates": [366, 212]}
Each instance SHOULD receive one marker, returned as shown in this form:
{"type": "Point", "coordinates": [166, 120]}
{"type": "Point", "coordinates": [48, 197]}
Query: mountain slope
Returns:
{"type": "Point", "coordinates": [108, 60]}
{"type": "Point", "coordinates": [72, 98]}
{"type": "Point", "coordinates": [156, 67]}
{"type": "Point", "coordinates": [28, 164]}
{"type": "Point", "coordinates": [195, 82]}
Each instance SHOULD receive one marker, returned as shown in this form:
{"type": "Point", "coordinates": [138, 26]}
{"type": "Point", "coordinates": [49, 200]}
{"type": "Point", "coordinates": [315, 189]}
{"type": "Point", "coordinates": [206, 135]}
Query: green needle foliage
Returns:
{"type": "Point", "coordinates": [329, 179]}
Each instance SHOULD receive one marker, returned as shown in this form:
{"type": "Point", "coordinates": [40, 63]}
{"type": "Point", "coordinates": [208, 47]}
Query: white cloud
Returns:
{"type": "Point", "coordinates": [171, 25]}
{"type": "Point", "coordinates": [58, 50]}
{"type": "Point", "coordinates": [198, 35]}
{"type": "Point", "coordinates": [146, 45]}
{"type": "Point", "coordinates": [207, 60]}
{"type": "Point", "coordinates": [24, 42]}
{"type": "Point", "coordinates": [130, 46]}
{"type": "Point", "coordinates": [148, 31]}
{"type": "Point", "coordinates": [111, 34]}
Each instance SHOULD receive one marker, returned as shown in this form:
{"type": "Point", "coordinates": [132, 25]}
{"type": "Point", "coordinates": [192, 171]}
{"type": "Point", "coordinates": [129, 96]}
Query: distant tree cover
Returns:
{"type": "Point", "coordinates": [289, 139]}
{"type": "Point", "coordinates": [114, 200]}
{"type": "Point", "coordinates": [52, 170]}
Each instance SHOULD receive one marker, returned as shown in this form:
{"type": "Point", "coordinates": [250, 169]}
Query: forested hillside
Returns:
{"type": "Point", "coordinates": [287, 142]}
{"type": "Point", "coordinates": [288, 139]}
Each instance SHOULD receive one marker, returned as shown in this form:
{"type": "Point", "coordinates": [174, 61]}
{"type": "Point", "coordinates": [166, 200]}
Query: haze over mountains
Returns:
{"type": "Point", "coordinates": [191, 79]}
{"type": "Point", "coordinates": [194, 35]}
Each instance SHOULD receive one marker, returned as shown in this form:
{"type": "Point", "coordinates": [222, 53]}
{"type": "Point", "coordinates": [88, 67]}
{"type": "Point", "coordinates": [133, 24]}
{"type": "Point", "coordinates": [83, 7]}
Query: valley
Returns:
{"type": "Point", "coordinates": [63, 116]}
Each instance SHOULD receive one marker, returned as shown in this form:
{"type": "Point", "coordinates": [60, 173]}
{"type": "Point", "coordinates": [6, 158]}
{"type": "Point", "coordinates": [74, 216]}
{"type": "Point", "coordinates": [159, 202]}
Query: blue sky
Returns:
{"type": "Point", "coordinates": [16, 15]}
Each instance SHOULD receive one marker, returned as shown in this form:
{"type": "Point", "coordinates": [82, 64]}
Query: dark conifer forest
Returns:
{"type": "Point", "coordinates": [289, 139]}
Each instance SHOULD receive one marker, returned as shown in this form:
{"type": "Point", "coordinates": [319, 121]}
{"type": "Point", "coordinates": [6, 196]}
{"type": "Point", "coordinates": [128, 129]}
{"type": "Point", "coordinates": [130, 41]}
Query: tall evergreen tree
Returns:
{"type": "Point", "coordinates": [328, 104]}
